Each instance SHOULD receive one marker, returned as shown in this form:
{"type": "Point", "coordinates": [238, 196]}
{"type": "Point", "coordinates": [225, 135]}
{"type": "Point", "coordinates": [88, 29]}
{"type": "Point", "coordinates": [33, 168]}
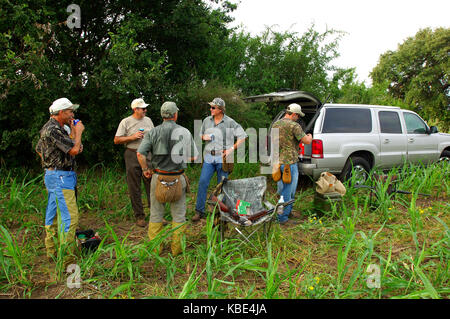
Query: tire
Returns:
{"type": "Point", "coordinates": [360, 166]}
{"type": "Point", "coordinates": [445, 156]}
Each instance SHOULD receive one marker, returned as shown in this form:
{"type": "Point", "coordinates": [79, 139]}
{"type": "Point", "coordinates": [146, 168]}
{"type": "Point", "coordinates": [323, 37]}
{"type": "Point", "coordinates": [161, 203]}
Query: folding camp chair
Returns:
{"type": "Point", "coordinates": [260, 214]}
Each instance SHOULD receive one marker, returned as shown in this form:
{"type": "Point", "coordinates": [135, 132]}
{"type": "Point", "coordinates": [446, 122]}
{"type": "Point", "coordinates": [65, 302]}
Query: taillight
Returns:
{"type": "Point", "coordinates": [301, 151]}
{"type": "Point", "coordinates": [317, 149]}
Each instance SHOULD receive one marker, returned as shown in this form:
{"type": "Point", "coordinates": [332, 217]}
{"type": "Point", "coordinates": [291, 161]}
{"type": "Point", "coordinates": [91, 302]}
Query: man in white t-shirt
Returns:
{"type": "Point", "coordinates": [130, 132]}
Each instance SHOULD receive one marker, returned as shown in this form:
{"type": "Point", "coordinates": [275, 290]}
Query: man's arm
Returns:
{"type": "Point", "coordinates": [143, 163]}
{"type": "Point", "coordinates": [127, 139]}
{"type": "Point", "coordinates": [241, 136]}
{"type": "Point", "coordinates": [38, 149]}
{"type": "Point", "coordinates": [234, 147]}
{"type": "Point", "coordinates": [144, 148]}
{"type": "Point", "coordinates": [78, 131]}
{"type": "Point", "coordinates": [307, 139]}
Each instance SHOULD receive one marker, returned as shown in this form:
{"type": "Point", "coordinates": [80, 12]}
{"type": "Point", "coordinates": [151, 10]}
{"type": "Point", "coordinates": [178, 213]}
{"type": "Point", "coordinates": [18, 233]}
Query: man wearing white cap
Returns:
{"type": "Point", "coordinates": [130, 133]}
{"type": "Point", "coordinates": [57, 151]}
{"type": "Point", "coordinates": [290, 135]}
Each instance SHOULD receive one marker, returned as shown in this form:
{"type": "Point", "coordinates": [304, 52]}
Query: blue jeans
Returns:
{"type": "Point", "coordinates": [211, 165]}
{"type": "Point", "coordinates": [288, 191]}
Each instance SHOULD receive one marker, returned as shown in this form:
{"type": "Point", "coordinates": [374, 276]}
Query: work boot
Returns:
{"type": "Point", "coordinates": [153, 230]}
{"type": "Point", "coordinates": [141, 222]}
{"type": "Point", "coordinates": [295, 214]}
{"type": "Point", "coordinates": [176, 238]}
{"type": "Point", "coordinates": [288, 223]}
{"type": "Point", "coordinates": [198, 215]}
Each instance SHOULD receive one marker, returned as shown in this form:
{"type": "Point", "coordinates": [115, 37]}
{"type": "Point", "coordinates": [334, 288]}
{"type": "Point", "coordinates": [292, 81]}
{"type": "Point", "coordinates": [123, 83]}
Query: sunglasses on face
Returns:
{"type": "Point", "coordinates": [213, 107]}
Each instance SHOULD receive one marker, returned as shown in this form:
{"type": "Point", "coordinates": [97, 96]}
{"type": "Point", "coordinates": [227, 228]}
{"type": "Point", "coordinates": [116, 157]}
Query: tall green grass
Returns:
{"type": "Point", "coordinates": [405, 236]}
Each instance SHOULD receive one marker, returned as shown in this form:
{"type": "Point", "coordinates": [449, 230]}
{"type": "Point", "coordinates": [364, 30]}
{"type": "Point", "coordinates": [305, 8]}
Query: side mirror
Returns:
{"type": "Point", "coordinates": [433, 129]}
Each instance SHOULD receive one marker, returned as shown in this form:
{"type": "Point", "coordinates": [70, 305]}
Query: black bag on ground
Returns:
{"type": "Point", "coordinates": [88, 239]}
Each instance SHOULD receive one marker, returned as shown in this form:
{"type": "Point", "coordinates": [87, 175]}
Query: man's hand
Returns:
{"type": "Point", "coordinates": [227, 152]}
{"type": "Point", "coordinates": [79, 128]}
{"type": "Point", "coordinates": [138, 135]}
{"type": "Point", "coordinates": [206, 137]}
{"type": "Point", "coordinates": [307, 139]}
{"type": "Point", "coordinates": [148, 173]}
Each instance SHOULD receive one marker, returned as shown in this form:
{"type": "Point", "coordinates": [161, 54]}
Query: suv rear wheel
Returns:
{"type": "Point", "coordinates": [356, 168]}
{"type": "Point", "coordinates": [445, 156]}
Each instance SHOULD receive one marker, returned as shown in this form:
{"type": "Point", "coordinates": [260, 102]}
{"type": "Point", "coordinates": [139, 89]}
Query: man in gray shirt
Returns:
{"type": "Point", "coordinates": [171, 146]}
{"type": "Point", "coordinates": [130, 133]}
{"type": "Point", "coordinates": [219, 131]}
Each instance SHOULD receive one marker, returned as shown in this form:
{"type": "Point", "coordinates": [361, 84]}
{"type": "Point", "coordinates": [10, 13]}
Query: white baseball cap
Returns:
{"type": "Point", "coordinates": [295, 108]}
{"type": "Point", "coordinates": [62, 104]}
{"type": "Point", "coordinates": [138, 103]}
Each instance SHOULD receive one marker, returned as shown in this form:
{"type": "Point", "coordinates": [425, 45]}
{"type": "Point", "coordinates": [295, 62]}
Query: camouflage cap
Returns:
{"type": "Point", "coordinates": [168, 109]}
{"type": "Point", "coordinates": [219, 103]}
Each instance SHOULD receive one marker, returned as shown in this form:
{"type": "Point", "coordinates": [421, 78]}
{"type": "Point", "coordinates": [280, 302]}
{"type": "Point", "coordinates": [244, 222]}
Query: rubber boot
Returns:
{"type": "Point", "coordinates": [176, 238]}
{"type": "Point", "coordinates": [50, 238]}
{"type": "Point", "coordinates": [153, 230]}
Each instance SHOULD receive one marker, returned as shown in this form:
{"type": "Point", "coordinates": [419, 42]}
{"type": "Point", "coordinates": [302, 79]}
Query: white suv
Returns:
{"type": "Point", "coordinates": [359, 136]}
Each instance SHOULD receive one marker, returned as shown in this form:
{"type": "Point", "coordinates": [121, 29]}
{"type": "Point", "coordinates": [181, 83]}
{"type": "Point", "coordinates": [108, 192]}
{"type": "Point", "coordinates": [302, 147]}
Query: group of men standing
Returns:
{"type": "Point", "coordinates": [157, 156]}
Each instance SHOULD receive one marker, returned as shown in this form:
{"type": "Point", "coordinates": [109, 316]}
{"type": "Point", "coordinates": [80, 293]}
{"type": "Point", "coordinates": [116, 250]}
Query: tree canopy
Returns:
{"type": "Point", "coordinates": [180, 50]}
{"type": "Point", "coordinates": [418, 73]}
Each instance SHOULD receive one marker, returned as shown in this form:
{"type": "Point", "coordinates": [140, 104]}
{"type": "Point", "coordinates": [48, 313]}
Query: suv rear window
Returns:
{"type": "Point", "coordinates": [347, 120]}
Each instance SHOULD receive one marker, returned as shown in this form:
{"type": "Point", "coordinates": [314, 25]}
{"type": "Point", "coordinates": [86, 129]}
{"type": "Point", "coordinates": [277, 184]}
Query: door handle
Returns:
{"type": "Point", "coordinates": [410, 140]}
{"type": "Point", "coordinates": [386, 141]}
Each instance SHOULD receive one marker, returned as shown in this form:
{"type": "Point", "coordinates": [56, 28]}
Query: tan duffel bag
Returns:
{"type": "Point", "coordinates": [328, 183]}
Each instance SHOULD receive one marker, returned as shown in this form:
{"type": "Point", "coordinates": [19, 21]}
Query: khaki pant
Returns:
{"type": "Point", "coordinates": [177, 209]}
{"type": "Point", "coordinates": [134, 177]}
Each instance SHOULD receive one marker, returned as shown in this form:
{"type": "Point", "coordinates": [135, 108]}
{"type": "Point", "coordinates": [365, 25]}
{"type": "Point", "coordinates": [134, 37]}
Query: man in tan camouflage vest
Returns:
{"type": "Point", "coordinates": [290, 134]}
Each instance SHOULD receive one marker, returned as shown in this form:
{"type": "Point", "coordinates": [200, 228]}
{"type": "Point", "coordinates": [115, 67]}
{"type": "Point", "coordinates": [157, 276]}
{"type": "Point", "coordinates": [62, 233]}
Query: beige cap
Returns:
{"type": "Point", "coordinates": [138, 103]}
{"type": "Point", "coordinates": [295, 108]}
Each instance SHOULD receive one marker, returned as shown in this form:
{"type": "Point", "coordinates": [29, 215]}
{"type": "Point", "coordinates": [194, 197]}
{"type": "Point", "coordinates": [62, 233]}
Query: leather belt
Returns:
{"type": "Point", "coordinates": [216, 152]}
{"type": "Point", "coordinates": [161, 172]}
{"type": "Point", "coordinates": [59, 169]}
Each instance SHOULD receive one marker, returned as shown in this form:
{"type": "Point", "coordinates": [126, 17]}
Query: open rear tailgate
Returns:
{"type": "Point", "coordinates": [305, 99]}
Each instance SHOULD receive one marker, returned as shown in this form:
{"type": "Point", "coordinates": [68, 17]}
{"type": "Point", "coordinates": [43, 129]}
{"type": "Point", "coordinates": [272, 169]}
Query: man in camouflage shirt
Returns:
{"type": "Point", "coordinates": [290, 134]}
{"type": "Point", "coordinates": [57, 151]}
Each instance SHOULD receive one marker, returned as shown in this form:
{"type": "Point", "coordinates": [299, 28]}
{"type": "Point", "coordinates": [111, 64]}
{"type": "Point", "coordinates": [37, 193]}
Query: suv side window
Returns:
{"type": "Point", "coordinates": [347, 120]}
{"type": "Point", "coordinates": [390, 122]}
{"type": "Point", "coordinates": [414, 124]}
